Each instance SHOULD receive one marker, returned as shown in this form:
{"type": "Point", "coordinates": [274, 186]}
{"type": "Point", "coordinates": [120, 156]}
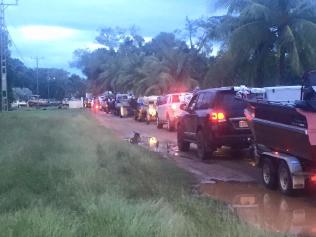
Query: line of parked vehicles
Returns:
{"type": "Point", "coordinates": [278, 124]}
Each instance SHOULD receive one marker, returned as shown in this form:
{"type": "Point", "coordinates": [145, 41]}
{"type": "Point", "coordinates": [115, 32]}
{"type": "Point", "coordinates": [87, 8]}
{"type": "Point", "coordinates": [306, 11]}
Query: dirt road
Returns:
{"type": "Point", "coordinates": [233, 180]}
{"type": "Point", "coordinates": [223, 167]}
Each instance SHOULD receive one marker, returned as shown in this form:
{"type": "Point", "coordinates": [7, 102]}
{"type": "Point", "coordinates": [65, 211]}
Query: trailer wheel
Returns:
{"type": "Point", "coordinates": [269, 174]}
{"type": "Point", "coordinates": [285, 179]}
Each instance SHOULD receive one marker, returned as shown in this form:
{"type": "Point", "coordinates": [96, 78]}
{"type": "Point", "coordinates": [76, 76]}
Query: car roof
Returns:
{"type": "Point", "coordinates": [216, 89]}
{"type": "Point", "coordinates": [180, 93]}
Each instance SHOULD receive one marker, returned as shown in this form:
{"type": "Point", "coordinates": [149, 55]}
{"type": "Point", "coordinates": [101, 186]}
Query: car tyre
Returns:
{"type": "Point", "coordinates": [147, 120]}
{"type": "Point", "coordinates": [183, 146]}
{"type": "Point", "coordinates": [159, 124]}
{"type": "Point", "coordinates": [236, 153]}
{"type": "Point", "coordinates": [170, 125]}
{"type": "Point", "coordinates": [285, 179]}
{"type": "Point", "coordinates": [203, 151]}
{"type": "Point", "coordinates": [269, 174]}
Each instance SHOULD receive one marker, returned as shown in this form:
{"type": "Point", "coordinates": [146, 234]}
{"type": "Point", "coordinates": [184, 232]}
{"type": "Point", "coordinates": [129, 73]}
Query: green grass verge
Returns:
{"type": "Point", "coordinates": [61, 174]}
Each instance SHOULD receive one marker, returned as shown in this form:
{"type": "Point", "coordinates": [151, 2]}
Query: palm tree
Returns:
{"type": "Point", "coordinates": [284, 30]}
{"type": "Point", "coordinates": [167, 68]}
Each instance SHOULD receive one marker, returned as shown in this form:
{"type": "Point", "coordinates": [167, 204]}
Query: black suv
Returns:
{"type": "Point", "coordinates": [213, 118]}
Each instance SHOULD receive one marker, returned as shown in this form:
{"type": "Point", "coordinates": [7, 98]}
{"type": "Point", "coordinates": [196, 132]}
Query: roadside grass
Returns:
{"type": "Point", "coordinates": [62, 174]}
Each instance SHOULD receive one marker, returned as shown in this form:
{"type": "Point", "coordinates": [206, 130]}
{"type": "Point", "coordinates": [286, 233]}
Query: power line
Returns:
{"type": "Point", "coordinates": [17, 50]}
{"type": "Point", "coordinates": [3, 54]}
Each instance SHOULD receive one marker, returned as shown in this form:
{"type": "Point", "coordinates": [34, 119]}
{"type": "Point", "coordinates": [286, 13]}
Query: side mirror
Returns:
{"type": "Point", "coordinates": [183, 106]}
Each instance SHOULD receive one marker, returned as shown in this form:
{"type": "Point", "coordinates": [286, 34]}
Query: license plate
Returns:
{"type": "Point", "coordinates": [243, 124]}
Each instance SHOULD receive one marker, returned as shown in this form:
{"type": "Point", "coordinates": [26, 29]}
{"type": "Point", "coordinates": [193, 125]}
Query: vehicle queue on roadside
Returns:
{"type": "Point", "coordinates": [284, 145]}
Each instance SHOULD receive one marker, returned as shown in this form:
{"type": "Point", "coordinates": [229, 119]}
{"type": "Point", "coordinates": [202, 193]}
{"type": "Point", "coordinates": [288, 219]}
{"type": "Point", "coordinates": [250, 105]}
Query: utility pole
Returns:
{"type": "Point", "coordinates": [37, 59]}
{"type": "Point", "coordinates": [49, 78]}
{"type": "Point", "coordinates": [3, 54]}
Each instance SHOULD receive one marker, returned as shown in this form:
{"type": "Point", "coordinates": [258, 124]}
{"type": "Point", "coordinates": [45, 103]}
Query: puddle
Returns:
{"type": "Point", "coordinates": [266, 209]}
{"type": "Point", "coordinates": [152, 143]}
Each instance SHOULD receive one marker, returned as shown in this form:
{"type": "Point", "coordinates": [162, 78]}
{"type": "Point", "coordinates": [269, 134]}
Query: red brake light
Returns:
{"type": "Point", "coordinates": [218, 117]}
{"type": "Point", "coordinates": [313, 178]}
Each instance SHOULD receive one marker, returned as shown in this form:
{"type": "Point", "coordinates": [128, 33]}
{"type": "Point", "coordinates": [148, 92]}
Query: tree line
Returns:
{"type": "Point", "coordinates": [257, 43]}
{"type": "Point", "coordinates": [52, 82]}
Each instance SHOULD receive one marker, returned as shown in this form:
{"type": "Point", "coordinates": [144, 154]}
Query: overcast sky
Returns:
{"type": "Point", "coordinates": [53, 29]}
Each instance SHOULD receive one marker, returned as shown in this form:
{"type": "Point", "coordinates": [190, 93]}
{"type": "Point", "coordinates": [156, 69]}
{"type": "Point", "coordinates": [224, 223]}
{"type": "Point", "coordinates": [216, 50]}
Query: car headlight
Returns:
{"type": "Point", "coordinates": [152, 112]}
{"type": "Point", "coordinates": [174, 106]}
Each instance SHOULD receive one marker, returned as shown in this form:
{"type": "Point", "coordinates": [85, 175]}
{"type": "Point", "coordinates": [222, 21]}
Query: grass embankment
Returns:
{"type": "Point", "coordinates": [61, 174]}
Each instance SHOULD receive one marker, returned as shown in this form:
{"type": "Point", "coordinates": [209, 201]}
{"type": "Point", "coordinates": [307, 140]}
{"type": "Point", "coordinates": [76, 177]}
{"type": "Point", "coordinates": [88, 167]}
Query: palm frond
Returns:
{"type": "Point", "coordinates": [256, 12]}
{"type": "Point", "coordinates": [232, 6]}
{"type": "Point", "coordinates": [287, 42]}
{"type": "Point", "coordinates": [247, 39]}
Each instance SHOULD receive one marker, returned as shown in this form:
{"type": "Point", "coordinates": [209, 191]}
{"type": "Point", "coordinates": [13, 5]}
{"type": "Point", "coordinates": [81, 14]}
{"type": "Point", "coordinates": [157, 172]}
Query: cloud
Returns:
{"type": "Point", "coordinates": [53, 43]}
{"type": "Point", "coordinates": [54, 29]}
{"type": "Point", "coordinates": [46, 33]}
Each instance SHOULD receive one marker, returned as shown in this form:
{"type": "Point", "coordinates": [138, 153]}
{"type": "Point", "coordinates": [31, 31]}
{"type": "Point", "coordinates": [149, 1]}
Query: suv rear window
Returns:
{"type": "Point", "coordinates": [230, 104]}
{"type": "Point", "coordinates": [175, 99]}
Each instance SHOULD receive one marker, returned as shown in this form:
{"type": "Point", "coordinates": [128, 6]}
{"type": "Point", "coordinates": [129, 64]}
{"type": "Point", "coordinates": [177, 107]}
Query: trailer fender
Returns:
{"type": "Point", "coordinates": [295, 167]}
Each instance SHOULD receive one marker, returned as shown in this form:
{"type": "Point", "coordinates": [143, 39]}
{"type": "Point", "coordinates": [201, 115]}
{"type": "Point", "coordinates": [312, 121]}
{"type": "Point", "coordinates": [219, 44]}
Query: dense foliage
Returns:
{"type": "Point", "coordinates": [260, 42]}
{"type": "Point", "coordinates": [269, 41]}
{"type": "Point", "coordinates": [126, 62]}
{"type": "Point", "coordinates": [53, 83]}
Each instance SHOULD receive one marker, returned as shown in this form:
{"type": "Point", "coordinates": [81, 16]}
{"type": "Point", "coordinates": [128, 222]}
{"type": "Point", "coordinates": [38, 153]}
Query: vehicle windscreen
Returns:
{"type": "Point", "coordinates": [122, 97]}
{"type": "Point", "coordinates": [311, 79]}
{"type": "Point", "coordinates": [176, 99]}
{"type": "Point", "coordinates": [230, 104]}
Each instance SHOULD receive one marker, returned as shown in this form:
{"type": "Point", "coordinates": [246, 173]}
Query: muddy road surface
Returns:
{"type": "Point", "coordinates": [227, 177]}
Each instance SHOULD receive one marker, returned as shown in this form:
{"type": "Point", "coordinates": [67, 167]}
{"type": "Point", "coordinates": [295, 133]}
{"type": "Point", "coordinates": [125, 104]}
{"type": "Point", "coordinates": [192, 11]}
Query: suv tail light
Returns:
{"type": "Point", "coordinates": [218, 117]}
{"type": "Point", "coordinates": [174, 106]}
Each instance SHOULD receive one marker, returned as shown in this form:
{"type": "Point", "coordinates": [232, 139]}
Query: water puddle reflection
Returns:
{"type": "Point", "coordinates": [266, 209]}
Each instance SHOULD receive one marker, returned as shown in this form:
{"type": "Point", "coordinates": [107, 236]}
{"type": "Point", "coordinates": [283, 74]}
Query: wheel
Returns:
{"type": "Point", "coordinates": [182, 145]}
{"type": "Point", "coordinates": [236, 153]}
{"type": "Point", "coordinates": [170, 125]}
{"type": "Point", "coordinates": [285, 179]}
{"type": "Point", "coordinates": [159, 125]}
{"type": "Point", "coordinates": [136, 116]}
{"type": "Point", "coordinates": [269, 174]}
{"type": "Point", "coordinates": [147, 120]}
{"type": "Point", "coordinates": [203, 151]}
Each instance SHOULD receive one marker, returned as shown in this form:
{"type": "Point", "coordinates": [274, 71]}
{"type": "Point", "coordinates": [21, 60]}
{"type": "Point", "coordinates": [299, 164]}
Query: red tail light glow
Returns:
{"type": "Point", "coordinates": [313, 178]}
{"type": "Point", "coordinates": [218, 117]}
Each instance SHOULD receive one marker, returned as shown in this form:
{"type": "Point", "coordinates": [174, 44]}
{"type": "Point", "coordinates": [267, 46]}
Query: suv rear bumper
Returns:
{"type": "Point", "coordinates": [238, 141]}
